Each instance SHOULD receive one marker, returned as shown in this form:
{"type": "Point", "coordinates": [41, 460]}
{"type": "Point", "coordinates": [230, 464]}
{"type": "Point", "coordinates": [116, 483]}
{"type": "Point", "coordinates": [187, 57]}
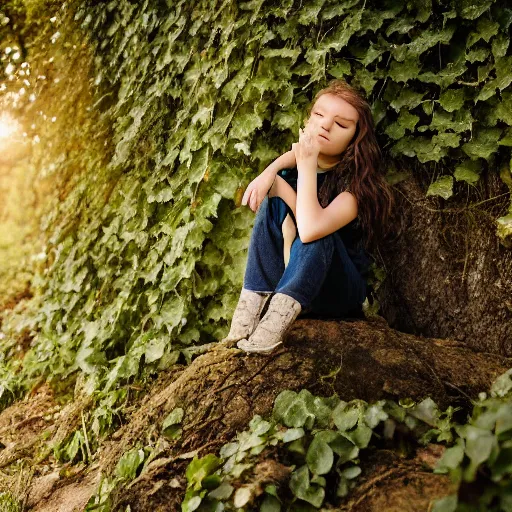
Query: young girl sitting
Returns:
{"type": "Point", "coordinates": [330, 190]}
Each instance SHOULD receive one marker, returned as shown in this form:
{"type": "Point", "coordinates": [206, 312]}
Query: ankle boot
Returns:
{"type": "Point", "coordinates": [246, 315]}
{"type": "Point", "coordinates": [281, 313]}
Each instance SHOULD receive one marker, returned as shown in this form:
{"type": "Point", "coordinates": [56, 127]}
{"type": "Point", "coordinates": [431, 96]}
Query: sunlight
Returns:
{"type": "Point", "coordinates": [8, 126]}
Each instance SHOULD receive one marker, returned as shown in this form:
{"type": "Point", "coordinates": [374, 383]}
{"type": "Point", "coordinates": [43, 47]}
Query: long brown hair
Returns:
{"type": "Point", "coordinates": [360, 168]}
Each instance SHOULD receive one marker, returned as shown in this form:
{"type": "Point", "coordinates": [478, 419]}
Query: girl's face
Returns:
{"type": "Point", "coordinates": [334, 121]}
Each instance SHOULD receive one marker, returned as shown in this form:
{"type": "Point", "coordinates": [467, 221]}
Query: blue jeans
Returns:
{"type": "Point", "coordinates": [320, 274]}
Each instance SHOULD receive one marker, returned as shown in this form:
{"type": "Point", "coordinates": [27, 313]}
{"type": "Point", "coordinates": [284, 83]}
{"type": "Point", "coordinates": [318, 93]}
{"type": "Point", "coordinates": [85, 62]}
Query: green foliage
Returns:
{"type": "Point", "coordinates": [8, 503]}
{"type": "Point", "coordinates": [171, 425]}
{"type": "Point", "coordinates": [323, 438]}
{"type": "Point", "coordinates": [125, 471]}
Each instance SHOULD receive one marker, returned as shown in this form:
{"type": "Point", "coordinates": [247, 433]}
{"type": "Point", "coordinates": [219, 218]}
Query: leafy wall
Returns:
{"type": "Point", "coordinates": [146, 244]}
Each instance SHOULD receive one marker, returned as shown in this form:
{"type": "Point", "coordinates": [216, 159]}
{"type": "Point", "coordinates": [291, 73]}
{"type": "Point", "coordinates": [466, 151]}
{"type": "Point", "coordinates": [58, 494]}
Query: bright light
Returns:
{"type": "Point", "coordinates": [8, 126]}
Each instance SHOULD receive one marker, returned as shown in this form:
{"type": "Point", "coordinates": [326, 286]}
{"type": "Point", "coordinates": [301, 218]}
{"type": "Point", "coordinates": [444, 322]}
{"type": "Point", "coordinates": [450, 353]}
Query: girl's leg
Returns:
{"type": "Point", "coordinates": [265, 260]}
{"type": "Point", "coordinates": [322, 278]}
{"type": "Point", "coordinates": [265, 266]}
{"type": "Point", "coordinates": [343, 290]}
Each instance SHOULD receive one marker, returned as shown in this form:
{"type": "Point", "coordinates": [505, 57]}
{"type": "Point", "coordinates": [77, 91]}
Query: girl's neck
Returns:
{"type": "Point", "coordinates": [326, 163]}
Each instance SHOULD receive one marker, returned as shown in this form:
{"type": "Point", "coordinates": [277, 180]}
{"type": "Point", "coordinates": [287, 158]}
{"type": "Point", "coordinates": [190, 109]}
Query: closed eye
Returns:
{"type": "Point", "coordinates": [318, 114]}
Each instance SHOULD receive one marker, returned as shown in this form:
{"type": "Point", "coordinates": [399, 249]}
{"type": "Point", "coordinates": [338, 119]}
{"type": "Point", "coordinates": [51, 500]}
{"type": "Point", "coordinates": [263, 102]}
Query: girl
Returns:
{"type": "Point", "coordinates": [330, 190]}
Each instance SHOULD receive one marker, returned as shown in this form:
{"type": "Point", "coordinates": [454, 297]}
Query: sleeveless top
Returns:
{"type": "Point", "coordinates": [352, 235]}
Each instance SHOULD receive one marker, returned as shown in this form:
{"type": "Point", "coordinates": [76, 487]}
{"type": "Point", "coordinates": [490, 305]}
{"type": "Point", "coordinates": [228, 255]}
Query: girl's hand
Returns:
{"type": "Point", "coordinates": [257, 190]}
{"type": "Point", "coordinates": [307, 149]}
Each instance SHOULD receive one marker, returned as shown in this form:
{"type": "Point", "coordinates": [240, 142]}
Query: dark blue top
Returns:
{"type": "Point", "coordinates": [351, 234]}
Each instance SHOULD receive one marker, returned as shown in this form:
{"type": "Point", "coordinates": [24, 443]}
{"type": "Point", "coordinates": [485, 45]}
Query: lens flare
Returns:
{"type": "Point", "coordinates": [8, 126]}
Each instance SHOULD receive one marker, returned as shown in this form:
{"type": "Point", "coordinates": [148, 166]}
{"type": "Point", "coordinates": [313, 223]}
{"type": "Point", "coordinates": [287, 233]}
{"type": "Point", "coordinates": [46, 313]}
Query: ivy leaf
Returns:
{"type": "Point", "coordinates": [300, 486]}
{"type": "Point", "coordinates": [345, 417]}
{"type": "Point", "coordinates": [441, 187]}
{"type": "Point", "coordinates": [504, 229]}
{"type": "Point", "coordinates": [502, 81]}
{"type": "Point", "coordinates": [223, 492]}
{"type": "Point", "coordinates": [293, 434]}
{"type": "Point", "coordinates": [446, 76]}
{"type": "Point", "coordinates": [502, 385]}
{"type": "Point", "coordinates": [361, 435]}
{"type": "Point", "coordinates": [171, 313]}
{"type": "Point", "coordinates": [349, 25]}
{"type": "Point", "coordinates": [406, 121]}
{"type": "Point", "coordinates": [314, 495]}
{"type": "Point", "coordinates": [451, 458]}
{"type": "Point", "coordinates": [479, 442]}
{"type": "Point", "coordinates": [402, 25]}
{"type": "Point", "coordinates": [447, 139]}
{"type": "Point", "coordinates": [344, 447]}
{"type": "Point", "coordinates": [351, 472]}
{"type": "Point", "coordinates": [503, 110]}
{"type": "Point", "coordinates": [127, 465]}
{"type": "Point", "coordinates": [191, 503]}
{"type": "Point", "coordinates": [504, 419]}
{"type": "Point", "coordinates": [299, 481]}
{"type": "Point", "coordinates": [270, 504]}
{"type": "Point", "coordinates": [407, 98]}
{"type": "Point", "coordinates": [340, 69]}
{"type": "Point", "coordinates": [319, 457]}
{"type": "Point", "coordinates": [228, 449]}
{"type": "Point", "coordinates": [199, 165]}
{"type": "Point", "coordinates": [322, 409]}
{"type": "Point", "coordinates": [375, 414]}
{"type": "Point", "coordinates": [429, 38]}
{"type": "Point", "coordinates": [477, 55]}
{"type": "Point", "coordinates": [485, 29]}
{"type": "Point", "coordinates": [452, 99]}
{"type": "Point", "coordinates": [472, 9]}
{"type": "Point", "coordinates": [506, 140]}
{"type": "Point", "coordinates": [468, 171]}
{"type": "Point", "coordinates": [291, 409]}
{"type": "Point", "coordinates": [483, 144]}
{"type": "Point", "coordinates": [404, 71]}
{"type": "Point", "coordinates": [500, 45]}
{"type": "Point", "coordinates": [245, 125]}
{"type": "Point", "coordinates": [73, 447]}
{"type": "Point", "coordinates": [242, 496]}
{"type": "Point", "coordinates": [259, 426]}
{"type": "Point", "coordinates": [171, 422]}
{"type": "Point", "coordinates": [154, 350]}
{"type": "Point", "coordinates": [234, 86]}
{"type": "Point", "coordinates": [446, 504]}
{"type": "Point", "coordinates": [319, 480]}
{"type": "Point", "coordinates": [287, 120]}
{"type": "Point", "coordinates": [199, 469]}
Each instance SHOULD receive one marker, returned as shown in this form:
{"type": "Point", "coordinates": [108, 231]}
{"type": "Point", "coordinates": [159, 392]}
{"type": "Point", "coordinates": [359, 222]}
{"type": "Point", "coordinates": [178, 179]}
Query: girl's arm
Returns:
{"type": "Point", "coordinates": [261, 185]}
{"type": "Point", "coordinates": [282, 189]}
{"type": "Point", "coordinates": [285, 161]}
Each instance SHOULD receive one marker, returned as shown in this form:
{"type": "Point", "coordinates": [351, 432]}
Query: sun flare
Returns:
{"type": "Point", "coordinates": [8, 126]}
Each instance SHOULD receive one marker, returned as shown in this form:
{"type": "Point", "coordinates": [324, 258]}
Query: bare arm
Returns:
{"type": "Point", "coordinates": [282, 189]}
{"type": "Point", "coordinates": [261, 185]}
{"type": "Point", "coordinates": [285, 161]}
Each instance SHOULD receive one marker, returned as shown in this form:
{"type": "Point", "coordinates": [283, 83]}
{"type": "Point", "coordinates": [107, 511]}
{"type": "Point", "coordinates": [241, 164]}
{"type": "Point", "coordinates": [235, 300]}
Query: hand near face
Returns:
{"type": "Point", "coordinates": [307, 149]}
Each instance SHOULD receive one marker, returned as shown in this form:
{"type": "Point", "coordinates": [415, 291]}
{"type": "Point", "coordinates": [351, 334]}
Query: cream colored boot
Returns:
{"type": "Point", "coordinates": [281, 313]}
{"type": "Point", "coordinates": [246, 315]}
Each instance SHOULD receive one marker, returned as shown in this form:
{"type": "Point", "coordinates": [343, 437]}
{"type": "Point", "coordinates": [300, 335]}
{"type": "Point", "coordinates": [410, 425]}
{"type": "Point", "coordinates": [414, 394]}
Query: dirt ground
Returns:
{"type": "Point", "coordinates": [222, 389]}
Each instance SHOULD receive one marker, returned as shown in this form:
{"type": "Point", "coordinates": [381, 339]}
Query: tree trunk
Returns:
{"type": "Point", "coordinates": [448, 274]}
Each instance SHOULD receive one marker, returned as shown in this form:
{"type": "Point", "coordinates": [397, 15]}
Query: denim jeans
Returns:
{"type": "Point", "coordinates": [320, 274]}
